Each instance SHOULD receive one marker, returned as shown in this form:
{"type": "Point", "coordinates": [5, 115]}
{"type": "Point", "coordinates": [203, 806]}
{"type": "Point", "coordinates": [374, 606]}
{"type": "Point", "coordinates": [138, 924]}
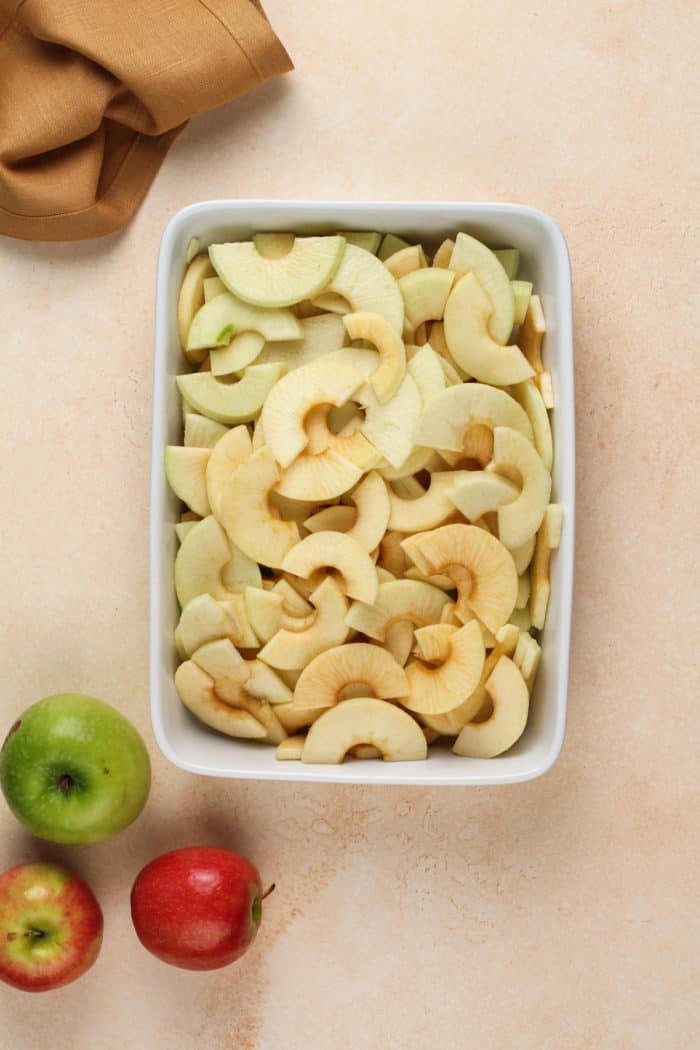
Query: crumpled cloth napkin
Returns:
{"type": "Point", "coordinates": [94, 92]}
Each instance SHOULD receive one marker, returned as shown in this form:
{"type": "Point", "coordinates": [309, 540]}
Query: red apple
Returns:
{"type": "Point", "coordinates": [197, 908]}
{"type": "Point", "coordinates": [50, 927]}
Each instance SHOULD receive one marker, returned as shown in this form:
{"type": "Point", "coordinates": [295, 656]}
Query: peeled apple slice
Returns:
{"type": "Point", "coordinates": [293, 397]}
{"type": "Point", "coordinates": [369, 242]}
{"type": "Point", "coordinates": [509, 258]}
{"type": "Point", "coordinates": [450, 413]}
{"type": "Point", "coordinates": [230, 452]}
{"type": "Point", "coordinates": [224, 316]}
{"type": "Point", "coordinates": [185, 469]}
{"type": "Point", "coordinates": [499, 732]}
{"type": "Point", "coordinates": [522, 290]}
{"type": "Point", "coordinates": [339, 551]}
{"type": "Point", "coordinates": [320, 335]}
{"type": "Point", "coordinates": [314, 478]}
{"type": "Point", "coordinates": [521, 517]}
{"type": "Point", "coordinates": [528, 395]}
{"type": "Point", "coordinates": [203, 620]}
{"type": "Point", "coordinates": [229, 402]}
{"type": "Point", "coordinates": [467, 315]}
{"type": "Point", "coordinates": [391, 244]}
{"type": "Point", "coordinates": [427, 372]}
{"type": "Point", "coordinates": [352, 446]}
{"type": "Point", "coordinates": [243, 349]}
{"type": "Point", "coordinates": [196, 690]}
{"type": "Point", "coordinates": [200, 560]}
{"type": "Point", "coordinates": [435, 690]}
{"type": "Point", "coordinates": [479, 492]}
{"type": "Point", "coordinates": [191, 298]}
{"type": "Point", "coordinates": [246, 513]}
{"type": "Point", "coordinates": [364, 720]}
{"type": "Point", "coordinates": [368, 286]}
{"type": "Point", "coordinates": [472, 257]}
{"type": "Point", "coordinates": [324, 679]}
{"type": "Point", "coordinates": [213, 286]}
{"type": "Point", "coordinates": [300, 274]}
{"type": "Point", "coordinates": [390, 427]}
{"type": "Point", "coordinates": [428, 510]}
{"type": "Point", "coordinates": [201, 432]}
{"type": "Point", "coordinates": [420, 603]}
{"type": "Point", "coordinates": [386, 378]}
{"type": "Point", "coordinates": [442, 256]}
{"type": "Point", "coordinates": [425, 294]}
{"type": "Point", "coordinates": [292, 650]}
{"type": "Point", "coordinates": [406, 260]}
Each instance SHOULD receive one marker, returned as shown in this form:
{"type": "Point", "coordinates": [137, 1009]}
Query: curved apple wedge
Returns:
{"type": "Point", "coordinates": [435, 690]}
{"type": "Point", "coordinates": [510, 698]}
{"type": "Point", "coordinates": [204, 619]}
{"type": "Point", "coordinates": [364, 720]}
{"type": "Point", "coordinates": [191, 299]}
{"type": "Point", "coordinates": [480, 492]}
{"type": "Point", "coordinates": [470, 256]}
{"type": "Point", "coordinates": [281, 281]}
{"type": "Point", "coordinates": [319, 335]}
{"type": "Point", "coordinates": [372, 502]}
{"type": "Point", "coordinates": [428, 510]}
{"type": "Point", "coordinates": [351, 446]}
{"type": "Point", "coordinates": [528, 395]}
{"type": "Point", "coordinates": [225, 316]}
{"type": "Point", "coordinates": [522, 517]}
{"type": "Point", "coordinates": [322, 682]}
{"type": "Point", "coordinates": [368, 286]}
{"type": "Point", "coordinates": [386, 378]}
{"type": "Point", "coordinates": [243, 349]}
{"type": "Point", "coordinates": [425, 294]}
{"type": "Point", "coordinates": [226, 402]}
{"type": "Point", "coordinates": [185, 469]}
{"type": "Point", "coordinates": [196, 690]}
{"type": "Point", "coordinates": [293, 397]}
{"type": "Point", "coordinates": [338, 551]}
{"type": "Point", "coordinates": [200, 561]}
{"type": "Point", "coordinates": [292, 650]}
{"type": "Point", "coordinates": [412, 600]}
{"type": "Point", "coordinates": [451, 413]}
{"type": "Point", "coordinates": [201, 432]}
{"type": "Point", "coordinates": [467, 314]}
{"type": "Point", "coordinates": [480, 565]}
{"type": "Point", "coordinates": [390, 427]}
{"type": "Point", "coordinates": [247, 515]}
{"type": "Point", "coordinates": [313, 478]}
{"type": "Point", "coordinates": [229, 453]}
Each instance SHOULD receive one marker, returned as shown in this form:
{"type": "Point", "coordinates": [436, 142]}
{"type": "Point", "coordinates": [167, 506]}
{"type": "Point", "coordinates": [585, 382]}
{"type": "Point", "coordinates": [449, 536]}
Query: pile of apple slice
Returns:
{"type": "Point", "coordinates": [364, 562]}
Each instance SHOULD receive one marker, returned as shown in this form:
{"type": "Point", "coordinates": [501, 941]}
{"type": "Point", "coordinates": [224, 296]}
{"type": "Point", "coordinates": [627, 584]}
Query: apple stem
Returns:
{"type": "Point", "coordinates": [267, 892]}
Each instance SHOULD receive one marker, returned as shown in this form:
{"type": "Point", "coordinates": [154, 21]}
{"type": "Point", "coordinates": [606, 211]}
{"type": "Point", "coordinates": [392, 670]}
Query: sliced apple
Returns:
{"type": "Point", "coordinates": [203, 619]}
{"type": "Point", "coordinates": [294, 604]}
{"type": "Point", "coordinates": [324, 679]}
{"type": "Point", "coordinates": [425, 368]}
{"type": "Point", "coordinates": [290, 749]}
{"type": "Point", "coordinates": [196, 690]}
{"type": "Point", "coordinates": [548, 540]}
{"type": "Point", "coordinates": [398, 640]}
{"type": "Point", "coordinates": [390, 427]}
{"type": "Point", "coordinates": [213, 286]}
{"type": "Point", "coordinates": [531, 333]}
{"type": "Point", "coordinates": [222, 662]}
{"type": "Point", "coordinates": [200, 560]}
{"type": "Point", "coordinates": [201, 432]}
{"type": "Point", "coordinates": [520, 618]}
{"type": "Point", "coordinates": [473, 258]}
{"type": "Point", "coordinates": [442, 256]}
{"type": "Point", "coordinates": [293, 397]}
{"type": "Point", "coordinates": [240, 572]}
{"type": "Point", "coordinates": [185, 469]}
{"type": "Point", "coordinates": [294, 718]}
{"type": "Point", "coordinates": [190, 300]}
{"type": "Point", "coordinates": [528, 395]}
{"type": "Point", "coordinates": [392, 555]}
{"type": "Point", "coordinates": [352, 446]}
{"type": "Point", "coordinates": [436, 580]}
{"type": "Point", "coordinates": [425, 293]}
{"type": "Point", "coordinates": [480, 565]}
{"type": "Point", "coordinates": [435, 690]}
{"type": "Point", "coordinates": [182, 528]}
{"type": "Point", "coordinates": [372, 502]}
{"type": "Point", "coordinates": [497, 733]}
{"type": "Point", "coordinates": [369, 242]}
{"type": "Point", "coordinates": [405, 260]}
{"type": "Point", "coordinates": [331, 519]}
{"type": "Point", "coordinates": [321, 335]}
{"type": "Point", "coordinates": [509, 258]}
{"type": "Point", "coordinates": [420, 603]}
{"type": "Point", "coordinates": [243, 349]}
{"type": "Point", "coordinates": [247, 515]}
{"type": "Point", "coordinates": [479, 492]}
{"type": "Point", "coordinates": [522, 555]}
{"type": "Point", "coordinates": [230, 452]}
{"type": "Point", "coordinates": [449, 414]}
{"type": "Point", "coordinates": [299, 274]}
{"type": "Point", "coordinates": [386, 378]}
{"type": "Point", "coordinates": [226, 402]}
{"type": "Point", "coordinates": [364, 720]}
{"type": "Point", "coordinates": [291, 650]}
{"type": "Point", "coordinates": [225, 316]}
{"type": "Point", "coordinates": [527, 658]}
{"type": "Point", "coordinates": [368, 286]}
{"type": "Point", "coordinates": [264, 609]}
{"type": "Point", "coordinates": [514, 456]}
{"type": "Point", "coordinates": [467, 315]}
{"type": "Point", "coordinates": [390, 245]}
{"type": "Point", "coordinates": [429, 509]}
{"type": "Point", "coordinates": [522, 290]}
{"type": "Point", "coordinates": [316, 478]}
{"type": "Point", "coordinates": [265, 684]}
{"type": "Point", "coordinates": [340, 552]}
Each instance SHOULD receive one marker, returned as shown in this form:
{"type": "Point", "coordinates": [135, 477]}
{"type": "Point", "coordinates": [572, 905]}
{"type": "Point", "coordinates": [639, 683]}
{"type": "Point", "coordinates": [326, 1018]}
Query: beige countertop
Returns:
{"type": "Point", "coordinates": [557, 915]}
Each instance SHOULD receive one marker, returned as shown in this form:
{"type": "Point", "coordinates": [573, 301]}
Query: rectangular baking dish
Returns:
{"type": "Point", "coordinates": [545, 261]}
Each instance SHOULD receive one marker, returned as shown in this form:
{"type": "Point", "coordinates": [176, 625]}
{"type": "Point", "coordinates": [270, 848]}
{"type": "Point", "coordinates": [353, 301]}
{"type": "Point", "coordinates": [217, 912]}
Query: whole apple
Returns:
{"type": "Point", "coordinates": [50, 927]}
{"type": "Point", "coordinates": [198, 908]}
{"type": "Point", "coordinates": [74, 770]}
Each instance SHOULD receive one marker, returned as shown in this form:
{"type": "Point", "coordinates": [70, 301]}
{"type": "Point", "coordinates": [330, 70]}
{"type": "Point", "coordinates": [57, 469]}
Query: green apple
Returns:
{"type": "Point", "coordinates": [74, 770]}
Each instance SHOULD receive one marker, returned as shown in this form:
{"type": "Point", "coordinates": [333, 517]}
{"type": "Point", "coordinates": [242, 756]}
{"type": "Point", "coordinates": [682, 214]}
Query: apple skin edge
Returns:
{"type": "Point", "coordinates": [197, 908]}
{"type": "Point", "coordinates": [50, 927]}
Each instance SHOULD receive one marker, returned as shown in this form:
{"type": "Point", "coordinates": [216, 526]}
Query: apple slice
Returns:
{"type": "Point", "coordinates": [522, 290]}
{"type": "Point", "coordinates": [320, 335]}
{"type": "Point", "coordinates": [528, 395]}
{"type": "Point", "coordinates": [451, 413]}
{"type": "Point", "coordinates": [247, 515]}
{"type": "Point", "coordinates": [291, 749]}
{"type": "Point", "coordinates": [227, 402]}
{"type": "Point", "coordinates": [430, 508]}
{"type": "Point", "coordinates": [364, 720]}
{"type": "Point", "coordinates": [513, 455]}
{"type": "Point", "coordinates": [472, 257]}
{"type": "Point", "coordinates": [224, 316]}
{"type": "Point", "coordinates": [467, 314]}
{"type": "Point", "coordinates": [406, 260]}
{"type": "Point", "coordinates": [390, 427]}
{"type": "Point", "coordinates": [498, 732]}
{"type": "Point", "coordinates": [201, 432]}
{"type": "Point", "coordinates": [368, 286]}
{"type": "Point", "coordinates": [204, 619]}
{"type": "Point", "coordinates": [386, 378]}
{"type": "Point", "coordinates": [299, 274]}
{"type": "Point", "coordinates": [314, 478]}
{"type": "Point", "coordinates": [342, 553]}
{"type": "Point", "coordinates": [442, 256]}
{"type": "Point", "coordinates": [369, 242]}
{"type": "Point", "coordinates": [425, 293]}
{"type": "Point", "coordinates": [240, 572]}
{"type": "Point", "coordinates": [323, 682]}
{"type": "Point", "coordinates": [548, 540]}
{"type": "Point", "coordinates": [352, 446]}
{"type": "Point", "coordinates": [436, 690]}
{"type": "Point", "coordinates": [401, 600]}
{"type": "Point", "coordinates": [200, 560]}
{"type": "Point", "coordinates": [196, 690]}
{"type": "Point", "coordinates": [243, 349]}
{"type": "Point", "coordinates": [213, 286]}
{"type": "Point", "coordinates": [230, 452]}
{"type": "Point", "coordinates": [185, 469]}
{"type": "Point", "coordinates": [190, 300]}
{"type": "Point", "coordinates": [292, 650]}
{"type": "Point", "coordinates": [293, 397]}
{"type": "Point", "coordinates": [480, 492]}
{"type": "Point", "coordinates": [509, 258]}
{"type": "Point", "coordinates": [182, 528]}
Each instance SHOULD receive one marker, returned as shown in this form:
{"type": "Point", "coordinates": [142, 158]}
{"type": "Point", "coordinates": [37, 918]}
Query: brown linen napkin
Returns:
{"type": "Point", "coordinates": [94, 92]}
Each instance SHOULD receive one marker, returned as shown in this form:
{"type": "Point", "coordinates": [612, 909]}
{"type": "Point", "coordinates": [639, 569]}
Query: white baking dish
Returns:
{"type": "Point", "coordinates": [545, 261]}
